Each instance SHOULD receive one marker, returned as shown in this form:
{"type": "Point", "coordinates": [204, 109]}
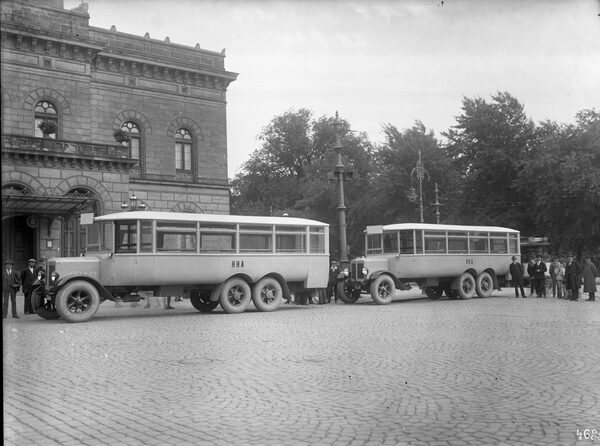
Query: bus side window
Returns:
{"type": "Point", "coordinates": [146, 236]}
{"type": "Point", "coordinates": [373, 243]}
{"type": "Point", "coordinates": [126, 236]}
{"type": "Point", "coordinates": [390, 242]}
{"type": "Point", "coordinates": [407, 242]}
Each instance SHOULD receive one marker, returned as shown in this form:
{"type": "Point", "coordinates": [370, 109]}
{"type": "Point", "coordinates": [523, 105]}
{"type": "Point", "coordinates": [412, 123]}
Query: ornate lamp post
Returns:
{"type": "Point", "coordinates": [419, 171]}
{"type": "Point", "coordinates": [133, 204]}
{"type": "Point", "coordinates": [437, 205]}
{"type": "Point", "coordinates": [339, 174]}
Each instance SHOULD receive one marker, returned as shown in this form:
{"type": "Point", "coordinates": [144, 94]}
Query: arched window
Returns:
{"type": "Point", "coordinates": [183, 150]}
{"type": "Point", "coordinates": [135, 137]}
{"type": "Point", "coordinates": [45, 111]}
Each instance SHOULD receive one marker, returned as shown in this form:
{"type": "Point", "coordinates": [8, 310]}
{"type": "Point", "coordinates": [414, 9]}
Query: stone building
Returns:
{"type": "Point", "coordinates": [97, 120]}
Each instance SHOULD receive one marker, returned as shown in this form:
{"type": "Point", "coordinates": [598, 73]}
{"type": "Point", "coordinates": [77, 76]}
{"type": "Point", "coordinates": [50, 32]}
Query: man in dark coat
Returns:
{"type": "Point", "coordinates": [332, 281]}
{"type": "Point", "coordinates": [11, 282]}
{"type": "Point", "coordinates": [516, 273]}
{"type": "Point", "coordinates": [572, 277]}
{"type": "Point", "coordinates": [539, 276]}
{"type": "Point", "coordinates": [28, 276]}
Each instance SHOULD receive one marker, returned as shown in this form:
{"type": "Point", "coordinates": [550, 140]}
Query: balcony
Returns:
{"type": "Point", "coordinates": [62, 153]}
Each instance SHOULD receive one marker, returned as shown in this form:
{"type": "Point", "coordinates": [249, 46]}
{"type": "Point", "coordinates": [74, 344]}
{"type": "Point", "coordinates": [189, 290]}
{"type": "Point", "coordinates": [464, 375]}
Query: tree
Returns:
{"type": "Point", "coordinates": [488, 146]}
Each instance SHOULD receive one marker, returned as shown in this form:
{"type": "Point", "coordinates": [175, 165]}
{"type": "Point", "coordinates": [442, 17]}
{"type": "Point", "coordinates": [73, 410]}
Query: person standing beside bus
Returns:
{"type": "Point", "coordinates": [590, 272]}
{"type": "Point", "coordinates": [539, 276]}
{"type": "Point", "coordinates": [560, 280]}
{"type": "Point", "coordinates": [572, 277]}
{"type": "Point", "coordinates": [332, 282]}
{"type": "Point", "coordinates": [28, 277]}
{"type": "Point", "coordinates": [11, 282]}
{"type": "Point", "coordinates": [555, 267]}
{"type": "Point", "coordinates": [516, 272]}
{"type": "Point", "coordinates": [530, 264]}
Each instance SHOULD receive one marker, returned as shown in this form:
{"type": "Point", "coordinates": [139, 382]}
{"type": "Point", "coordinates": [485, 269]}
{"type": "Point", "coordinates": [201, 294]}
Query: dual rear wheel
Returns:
{"type": "Point", "coordinates": [469, 286]}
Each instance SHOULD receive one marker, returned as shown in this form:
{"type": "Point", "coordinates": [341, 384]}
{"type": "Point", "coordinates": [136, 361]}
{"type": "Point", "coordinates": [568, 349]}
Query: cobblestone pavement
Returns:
{"type": "Point", "coordinates": [496, 371]}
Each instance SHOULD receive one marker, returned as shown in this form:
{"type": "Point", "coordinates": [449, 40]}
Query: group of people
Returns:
{"type": "Point", "coordinates": [13, 280]}
{"type": "Point", "coordinates": [566, 276]}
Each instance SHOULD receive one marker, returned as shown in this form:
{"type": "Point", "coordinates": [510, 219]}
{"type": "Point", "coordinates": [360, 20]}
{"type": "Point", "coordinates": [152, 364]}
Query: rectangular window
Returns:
{"type": "Point", "coordinates": [435, 242]}
{"type": "Point", "coordinates": [217, 242]}
{"type": "Point", "coordinates": [290, 243]}
{"type": "Point", "coordinates": [457, 242]}
{"type": "Point", "coordinates": [317, 240]}
{"type": "Point", "coordinates": [92, 244]}
{"type": "Point", "coordinates": [146, 236]}
{"type": "Point", "coordinates": [478, 242]}
{"type": "Point", "coordinates": [419, 241]}
{"type": "Point", "coordinates": [175, 236]}
{"type": "Point", "coordinates": [407, 242]}
{"type": "Point", "coordinates": [183, 156]}
{"type": "Point", "coordinates": [126, 236]}
{"type": "Point", "coordinates": [134, 144]}
{"type": "Point", "coordinates": [498, 243]}
{"type": "Point", "coordinates": [374, 243]}
{"type": "Point", "coordinates": [513, 244]}
{"type": "Point", "coordinates": [390, 242]}
{"type": "Point", "coordinates": [256, 242]}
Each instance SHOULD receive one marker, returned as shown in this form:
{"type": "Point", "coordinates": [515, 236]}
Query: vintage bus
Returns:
{"type": "Point", "coordinates": [229, 260]}
{"type": "Point", "coordinates": [459, 261]}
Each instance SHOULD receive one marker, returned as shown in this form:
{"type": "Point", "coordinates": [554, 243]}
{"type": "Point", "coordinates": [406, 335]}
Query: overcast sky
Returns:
{"type": "Point", "coordinates": [379, 62]}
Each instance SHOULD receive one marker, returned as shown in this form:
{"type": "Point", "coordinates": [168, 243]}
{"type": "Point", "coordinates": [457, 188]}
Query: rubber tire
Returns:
{"type": "Point", "coordinates": [202, 302]}
{"type": "Point", "coordinates": [268, 289]}
{"type": "Point", "coordinates": [466, 286]}
{"type": "Point", "coordinates": [235, 296]}
{"type": "Point", "coordinates": [433, 292]}
{"type": "Point", "coordinates": [75, 294]}
{"type": "Point", "coordinates": [450, 293]}
{"type": "Point", "coordinates": [347, 294]}
{"type": "Point", "coordinates": [484, 284]}
{"type": "Point", "coordinates": [383, 289]}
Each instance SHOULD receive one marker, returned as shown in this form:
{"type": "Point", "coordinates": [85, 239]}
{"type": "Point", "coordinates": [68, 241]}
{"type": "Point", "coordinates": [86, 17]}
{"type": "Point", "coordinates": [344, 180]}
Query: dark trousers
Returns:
{"type": "Point", "coordinates": [517, 286]}
{"type": "Point", "coordinates": [540, 287]}
{"type": "Point", "coordinates": [332, 291]}
{"type": "Point", "coordinates": [27, 307]}
{"type": "Point", "coordinates": [12, 294]}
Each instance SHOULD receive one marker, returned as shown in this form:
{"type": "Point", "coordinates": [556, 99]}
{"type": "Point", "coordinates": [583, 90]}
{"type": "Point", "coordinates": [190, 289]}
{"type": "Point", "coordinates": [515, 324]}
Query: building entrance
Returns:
{"type": "Point", "coordinates": [19, 239]}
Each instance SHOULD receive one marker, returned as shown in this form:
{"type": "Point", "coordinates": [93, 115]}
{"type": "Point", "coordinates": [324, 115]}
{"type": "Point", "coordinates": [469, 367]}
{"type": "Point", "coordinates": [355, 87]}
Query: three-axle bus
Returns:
{"type": "Point", "coordinates": [214, 259]}
{"type": "Point", "coordinates": [460, 261]}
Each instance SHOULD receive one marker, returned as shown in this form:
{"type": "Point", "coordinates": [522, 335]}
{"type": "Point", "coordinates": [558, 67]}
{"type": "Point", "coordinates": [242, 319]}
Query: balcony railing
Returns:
{"type": "Point", "coordinates": [29, 143]}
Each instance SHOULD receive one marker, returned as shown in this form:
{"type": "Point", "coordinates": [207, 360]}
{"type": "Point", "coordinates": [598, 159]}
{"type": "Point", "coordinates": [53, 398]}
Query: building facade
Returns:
{"type": "Point", "coordinates": [97, 120]}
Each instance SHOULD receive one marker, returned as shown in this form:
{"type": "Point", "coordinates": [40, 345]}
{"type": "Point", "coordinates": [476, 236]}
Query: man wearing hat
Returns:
{"type": "Point", "coordinates": [516, 273]}
{"type": "Point", "coordinates": [11, 282]}
{"type": "Point", "coordinates": [332, 282]}
{"type": "Point", "coordinates": [572, 277]}
{"type": "Point", "coordinates": [28, 276]}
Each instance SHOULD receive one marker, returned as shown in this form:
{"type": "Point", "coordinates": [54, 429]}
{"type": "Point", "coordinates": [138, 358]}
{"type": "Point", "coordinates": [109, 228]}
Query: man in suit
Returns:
{"type": "Point", "coordinates": [28, 276]}
{"type": "Point", "coordinates": [516, 272]}
{"type": "Point", "coordinates": [11, 282]}
{"type": "Point", "coordinates": [539, 276]}
{"type": "Point", "coordinates": [572, 277]}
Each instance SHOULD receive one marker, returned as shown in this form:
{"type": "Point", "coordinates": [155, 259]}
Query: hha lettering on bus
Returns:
{"type": "Point", "coordinates": [237, 263]}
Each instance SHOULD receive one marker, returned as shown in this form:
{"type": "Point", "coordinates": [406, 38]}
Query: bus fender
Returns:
{"type": "Point", "coordinates": [103, 292]}
{"type": "Point", "coordinates": [375, 274]}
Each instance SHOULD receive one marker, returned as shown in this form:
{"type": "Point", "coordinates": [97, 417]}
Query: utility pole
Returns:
{"type": "Point", "coordinates": [420, 173]}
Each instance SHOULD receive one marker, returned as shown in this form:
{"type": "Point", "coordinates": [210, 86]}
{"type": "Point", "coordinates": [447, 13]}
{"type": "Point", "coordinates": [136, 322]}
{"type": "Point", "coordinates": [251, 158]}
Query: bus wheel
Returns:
{"type": "Point", "coordinates": [452, 294]}
{"type": "Point", "coordinates": [347, 293]}
{"type": "Point", "coordinates": [466, 286]}
{"type": "Point", "coordinates": [201, 302]}
{"type": "Point", "coordinates": [77, 301]}
{"type": "Point", "coordinates": [433, 292]}
{"type": "Point", "coordinates": [383, 289]}
{"type": "Point", "coordinates": [267, 294]}
{"type": "Point", "coordinates": [484, 284]}
{"type": "Point", "coordinates": [235, 296]}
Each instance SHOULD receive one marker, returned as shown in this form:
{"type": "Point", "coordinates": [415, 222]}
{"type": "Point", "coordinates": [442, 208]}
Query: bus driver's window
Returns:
{"type": "Point", "coordinates": [126, 236]}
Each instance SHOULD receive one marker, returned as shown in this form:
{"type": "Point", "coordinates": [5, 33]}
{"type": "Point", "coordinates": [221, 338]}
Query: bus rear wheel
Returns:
{"type": "Point", "coordinates": [267, 294]}
{"type": "Point", "coordinates": [466, 286]}
{"type": "Point", "coordinates": [433, 292]}
{"type": "Point", "coordinates": [346, 292]}
{"type": "Point", "coordinates": [235, 296]}
{"type": "Point", "coordinates": [484, 284]}
{"type": "Point", "coordinates": [77, 301]}
{"type": "Point", "coordinates": [201, 301]}
{"type": "Point", "coordinates": [452, 294]}
{"type": "Point", "coordinates": [383, 289]}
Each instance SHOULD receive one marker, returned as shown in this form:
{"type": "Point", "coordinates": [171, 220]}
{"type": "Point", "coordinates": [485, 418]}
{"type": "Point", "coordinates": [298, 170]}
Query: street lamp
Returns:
{"type": "Point", "coordinates": [133, 204]}
{"type": "Point", "coordinates": [437, 205]}
{"type": "Point", "coordinates": [419, 171]}
{"type": "Point", "coordinates": [340, 175]}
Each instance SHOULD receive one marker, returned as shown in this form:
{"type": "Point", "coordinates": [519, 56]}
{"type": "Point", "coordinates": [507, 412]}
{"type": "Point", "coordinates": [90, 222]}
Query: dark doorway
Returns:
{"type": "Point", "coordinates": [18, 240]}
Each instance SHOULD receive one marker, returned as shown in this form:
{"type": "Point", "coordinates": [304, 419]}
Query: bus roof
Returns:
{"type": "Point", "coordinates": [436, 227]}
{"type": "Point", "coordinates": [209, 218]}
